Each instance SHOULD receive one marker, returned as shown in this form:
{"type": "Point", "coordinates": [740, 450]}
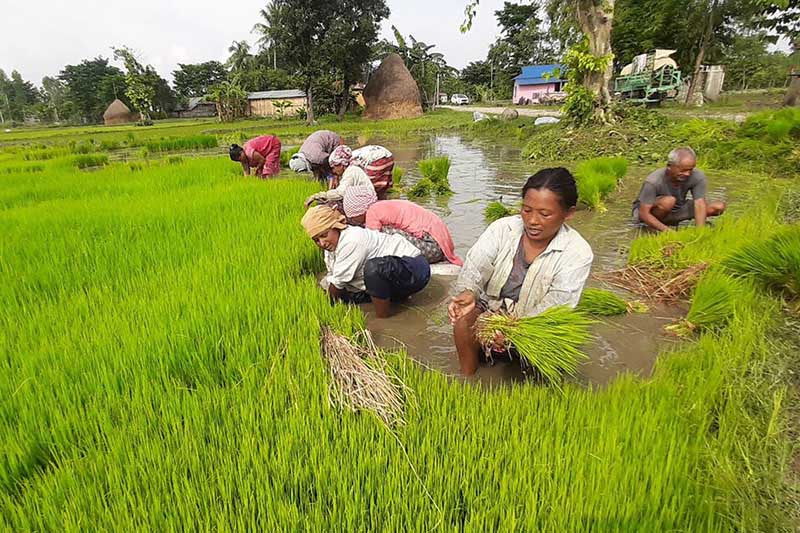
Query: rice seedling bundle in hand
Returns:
{"type": "Point", "coordinates": [599, 302]}
{"type": "Point", "coordinates": [597, 178]}
{"type": "Point", "coordinates": [774, 263]}
{"type": "Point", "coordinates": [549, 341]}
{"type": "Point", "coordinates": [495, 211]}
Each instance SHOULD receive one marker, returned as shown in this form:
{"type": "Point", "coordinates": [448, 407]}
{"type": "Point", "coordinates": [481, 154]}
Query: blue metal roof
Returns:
{"type": "Point", "coordinates": [534, 74]}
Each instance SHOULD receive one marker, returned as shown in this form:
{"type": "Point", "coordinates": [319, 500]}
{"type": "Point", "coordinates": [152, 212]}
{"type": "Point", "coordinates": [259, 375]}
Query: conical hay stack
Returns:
{"type": "Point", "coordinates": [392, 92]}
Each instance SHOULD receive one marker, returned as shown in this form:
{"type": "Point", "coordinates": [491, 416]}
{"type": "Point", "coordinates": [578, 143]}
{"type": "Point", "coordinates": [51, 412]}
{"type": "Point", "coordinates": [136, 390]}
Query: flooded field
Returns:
{"type": "Point", "coordinates": [482, 171]}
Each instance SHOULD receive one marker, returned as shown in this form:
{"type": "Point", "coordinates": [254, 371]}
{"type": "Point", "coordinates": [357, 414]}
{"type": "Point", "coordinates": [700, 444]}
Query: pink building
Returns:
{"type": "Point", "coordinates": [536, 81]}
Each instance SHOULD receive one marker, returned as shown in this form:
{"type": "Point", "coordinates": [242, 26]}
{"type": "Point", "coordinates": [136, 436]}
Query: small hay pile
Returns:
{"type": "Point", "coordinates": [655, 282]}
{"type": "Point", "coordinates": [361, 379]}
{"type": "Point", "coordinates": [550, 342]}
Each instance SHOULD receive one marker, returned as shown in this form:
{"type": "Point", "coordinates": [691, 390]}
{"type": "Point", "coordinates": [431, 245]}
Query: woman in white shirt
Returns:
{"type": "Point", "coordinates": [522, 264]}
{"type": "Point", "coordinates": [365, 265]}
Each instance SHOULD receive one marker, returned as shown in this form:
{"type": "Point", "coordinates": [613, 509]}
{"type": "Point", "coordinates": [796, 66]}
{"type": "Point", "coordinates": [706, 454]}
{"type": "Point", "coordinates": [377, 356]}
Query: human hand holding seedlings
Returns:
{"type": "Point", "coordinates": [461, 305]}
{"type": "Point", "coordinates": [498, 342]}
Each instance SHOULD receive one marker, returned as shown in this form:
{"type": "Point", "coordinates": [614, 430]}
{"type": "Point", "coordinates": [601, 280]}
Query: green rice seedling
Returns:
{"type": "Point", "coordinates": [774, 262]}
{"type": "Point", "coordinates": [174, 160]}
{"type": "Point", "coordinates": [550, 341]}
{"type": "Point", "coordinates": [183, 143]}
{"type": "Point", "coordinates": [423, 187]}
{"type": "Point", "coordinates": [600, 302]}
{"type": "Point", "coordinates": [597, 178]}
{"type": "Point", "coordinates": [136, 166]}
{"type": "Point", "coordinates": [286, 155]}
{"type": "Point", "coordinates": [713, 304]}
{"type": "Point", "coordinates": [495, 211]}
{"type": "Point", "coordinates": [790, 204]}
{"type": "Point", "coordinates": [436, 169]}
{"type": "Point", "coordinates": [397, 175]}
{"type": "Point", "coordinates": [90, 160]}
{"type": "Point", "coordinates": [110, 145]}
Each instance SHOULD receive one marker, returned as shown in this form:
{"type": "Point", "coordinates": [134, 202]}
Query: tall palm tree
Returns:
{"type": "Point", "coordinates": [240, 58]}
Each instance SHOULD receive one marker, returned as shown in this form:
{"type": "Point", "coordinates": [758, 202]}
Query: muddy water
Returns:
{"type": "Point", "coordinates": [486, 170]}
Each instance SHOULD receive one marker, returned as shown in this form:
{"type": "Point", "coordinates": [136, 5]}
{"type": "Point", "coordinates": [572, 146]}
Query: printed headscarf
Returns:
{"type": "Point", "coordinates": [358, 199]}
{"type": "Point", "coordinates": [322, 218]}
{"type": "Point", "coordinates": [299, 163]}
{"type": "Point", "coordinates": [341, 155]}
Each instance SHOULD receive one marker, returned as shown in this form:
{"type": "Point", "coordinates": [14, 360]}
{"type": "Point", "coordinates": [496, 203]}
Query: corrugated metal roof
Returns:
{"type": "Point", "coordinates": [276, 95]}
{"type": "Point", "coordinates": [534, 74]}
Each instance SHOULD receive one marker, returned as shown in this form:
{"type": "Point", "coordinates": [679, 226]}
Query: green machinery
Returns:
{"type": "Point", "coordinates": [650, 78]}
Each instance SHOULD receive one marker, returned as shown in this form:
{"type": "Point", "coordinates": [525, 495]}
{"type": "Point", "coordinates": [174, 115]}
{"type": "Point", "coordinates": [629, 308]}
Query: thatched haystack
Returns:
{"type": "Point", "coordinates": [118, 113]}
{"type": "Point", "coordinates": [392, 92]}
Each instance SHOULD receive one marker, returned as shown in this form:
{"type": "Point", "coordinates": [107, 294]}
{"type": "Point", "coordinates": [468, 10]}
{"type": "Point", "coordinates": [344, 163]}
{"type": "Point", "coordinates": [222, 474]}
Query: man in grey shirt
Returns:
{"type": "Point", "coordinates": [662, 200]}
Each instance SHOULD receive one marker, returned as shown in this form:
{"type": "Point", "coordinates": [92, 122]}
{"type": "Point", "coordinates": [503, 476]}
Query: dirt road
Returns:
{"type": "Point", "coordinates": [523, 111]}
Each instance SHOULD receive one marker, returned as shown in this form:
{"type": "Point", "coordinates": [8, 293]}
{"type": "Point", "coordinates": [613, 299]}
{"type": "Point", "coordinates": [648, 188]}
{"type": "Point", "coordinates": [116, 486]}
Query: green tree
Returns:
{"type": "Point", "coordinates": [56, 99]}
{"type": "Point", "coordinates": [195, 79]}
{"type": "Point", "coordinates": [240, 59]}
{"type": "Point", "coordinates": [91, 86]}
{"type": "Point", "coordinates": [143, 85]}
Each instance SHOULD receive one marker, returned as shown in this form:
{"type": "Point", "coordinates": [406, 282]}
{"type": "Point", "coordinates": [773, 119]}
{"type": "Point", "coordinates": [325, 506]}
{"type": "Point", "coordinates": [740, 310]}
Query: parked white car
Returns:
{"type": "Point", "coordinates": [459, 99]}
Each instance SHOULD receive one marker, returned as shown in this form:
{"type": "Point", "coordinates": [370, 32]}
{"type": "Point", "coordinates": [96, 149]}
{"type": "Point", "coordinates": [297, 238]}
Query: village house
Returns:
{"type": "Point", "coordinates": [537, 81]}
{"type": "Point", "coordinates": [197, 107]}
{"type": "Point", "coordinates": [262, 103]}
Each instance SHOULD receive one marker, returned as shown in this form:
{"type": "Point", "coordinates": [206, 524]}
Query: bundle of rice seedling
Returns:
{"type": "Point", "coordinates": [774, 263]}
{"type": "Point", "coordinates": [495, 211]}
{"type": "Point", "coordinates": [655, 282]}
{"type": "Point", "coordinates": [397, 175]}
{"type": "Point", "coordinates": [360, 378]}
{"type": "Point", "coordinates": [550, 342]}
{"type": "Point", "coordinates": [599, 302]}
{"type": "Point", "coordinates": [286, 155]}
{"type": "Point", "coordinates": [422, 188]}
{"type": "Point", "coordinates": [436, 170]}
{"type": "Point", "coordinates": [597, 178]}
{"type": "Point", "coordinates": [713, 304]}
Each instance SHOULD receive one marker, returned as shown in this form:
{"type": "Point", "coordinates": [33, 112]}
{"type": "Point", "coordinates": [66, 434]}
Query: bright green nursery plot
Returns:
{"type": "Point", "coordinates": [160, 368]}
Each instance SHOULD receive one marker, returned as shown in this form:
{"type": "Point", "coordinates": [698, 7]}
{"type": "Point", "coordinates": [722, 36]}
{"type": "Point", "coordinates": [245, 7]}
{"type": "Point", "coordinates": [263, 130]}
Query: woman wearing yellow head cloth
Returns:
{"type": "Point", "coordinates": [365, 265]}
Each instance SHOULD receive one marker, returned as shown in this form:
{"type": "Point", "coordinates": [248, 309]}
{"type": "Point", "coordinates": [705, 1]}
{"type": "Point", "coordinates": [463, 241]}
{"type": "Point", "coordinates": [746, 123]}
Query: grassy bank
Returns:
{"type": "Point", "coordinates": [161, 370]}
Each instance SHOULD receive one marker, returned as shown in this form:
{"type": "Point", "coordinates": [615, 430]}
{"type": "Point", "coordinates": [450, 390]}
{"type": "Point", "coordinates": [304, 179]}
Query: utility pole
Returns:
{"type": "Point", "coordinates": [2, 118]}
{"type": "Point", "coordinates": [436, 97]}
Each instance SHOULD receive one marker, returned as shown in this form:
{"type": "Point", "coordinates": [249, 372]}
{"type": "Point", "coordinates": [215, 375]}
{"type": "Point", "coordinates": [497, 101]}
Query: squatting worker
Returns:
{"type": "Point", "coordinates": [261, 156]}
{"type": "Point", "coordinates": [313, 154]}
{"type": "Point", "coordinates": [344, 177]}
{"type": "Point", "coordinates": [365, 265]}
{"type": "Point", "coordinates": [662, 200]}
{"type": "Point", "coordinates": [422, 228]}
{"type": "Point", "coordinates": [378, 163]}
{"type": "Point", "coordinates": [522, 264]}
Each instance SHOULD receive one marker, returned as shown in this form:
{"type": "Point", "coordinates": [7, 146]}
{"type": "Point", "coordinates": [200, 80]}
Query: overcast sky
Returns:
{"type": "Point", "coordinates": [39, 38]}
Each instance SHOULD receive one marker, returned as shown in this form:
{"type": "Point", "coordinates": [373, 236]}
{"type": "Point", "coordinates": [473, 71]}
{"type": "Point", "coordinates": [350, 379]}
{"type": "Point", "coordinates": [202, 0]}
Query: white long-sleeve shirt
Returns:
{"type": "Point", "coordinates": [556, 276]}
{"type": "Point", "coordinates": [356, 246]}
{"type": "Point", "coordinates": [353, 176]}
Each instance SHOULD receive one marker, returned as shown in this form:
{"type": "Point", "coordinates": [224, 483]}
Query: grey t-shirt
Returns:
{"type": "Point", "coordinates": [516, 278]}
{"type": "Point", "coordinates": [658, 184]}
{"type": "Point", "coordinates": [319, 145]}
